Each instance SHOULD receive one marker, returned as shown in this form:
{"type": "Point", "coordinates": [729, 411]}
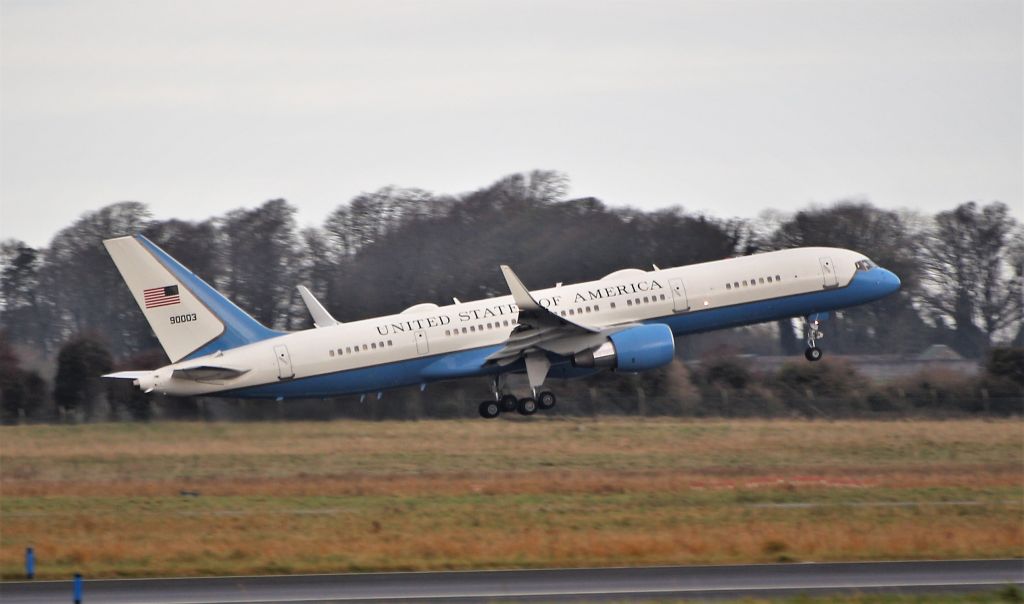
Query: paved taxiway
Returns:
{"type": "Point", "coordinates": [547, 585]}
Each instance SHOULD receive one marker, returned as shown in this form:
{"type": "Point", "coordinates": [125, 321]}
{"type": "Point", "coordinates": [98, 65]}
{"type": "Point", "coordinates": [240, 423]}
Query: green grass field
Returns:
{"type": "Point", "coordinates": [108, 499]}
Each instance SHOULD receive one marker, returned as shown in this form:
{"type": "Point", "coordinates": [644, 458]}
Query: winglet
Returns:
{"type": "Point", "coordinates": [321, 318]}
{"type": "Point", "coordinates": [520, 294]}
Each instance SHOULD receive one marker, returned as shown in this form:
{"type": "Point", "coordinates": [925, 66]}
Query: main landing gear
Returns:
{"type": "Point", "coordinates": [813, 353]}
{"type": "Point", "coordinates": [523, 406]}
{"type": "Point", "coordinates": [508, 403]}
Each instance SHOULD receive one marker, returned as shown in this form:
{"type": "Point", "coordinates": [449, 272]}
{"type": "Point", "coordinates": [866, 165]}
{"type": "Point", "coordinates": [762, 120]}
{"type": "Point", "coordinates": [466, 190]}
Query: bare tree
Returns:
{"type": "Point", "coordinates": [260, 252]}
{"type": "Point", "coordinates": [971, 280]}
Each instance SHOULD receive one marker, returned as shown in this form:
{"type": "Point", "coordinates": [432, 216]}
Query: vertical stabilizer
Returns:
{"type": "Point", "coordinates": [189, 317]}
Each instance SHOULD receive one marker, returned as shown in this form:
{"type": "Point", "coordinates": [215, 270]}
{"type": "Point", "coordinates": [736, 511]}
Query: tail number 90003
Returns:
{"type": "Point", "coordinates": [183, 318]}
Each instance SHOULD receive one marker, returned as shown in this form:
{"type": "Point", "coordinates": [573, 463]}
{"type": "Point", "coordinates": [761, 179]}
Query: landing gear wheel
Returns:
{"type": "Point", "coordinates": [526, 406]}
{"type": "Point", "coordinates": [813, 354]}
{"type": "Point", "coordinates": [489, 409]}
{"type": "Point", "coordinates": [546, 399]}
{"type": "Point", "coordinates": [508, 403]}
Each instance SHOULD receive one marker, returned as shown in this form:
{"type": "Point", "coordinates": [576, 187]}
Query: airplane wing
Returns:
{"type": "Point", "coordinates": [540, 331]}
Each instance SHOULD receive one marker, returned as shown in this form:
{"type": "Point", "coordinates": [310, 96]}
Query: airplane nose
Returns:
{"type": "Point", "coordinates": [889, 282]}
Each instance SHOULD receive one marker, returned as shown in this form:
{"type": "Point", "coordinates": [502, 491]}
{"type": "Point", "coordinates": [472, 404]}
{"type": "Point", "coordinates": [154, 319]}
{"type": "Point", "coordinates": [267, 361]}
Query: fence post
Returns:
{"type": "Point", "coordinates": [77, 589]}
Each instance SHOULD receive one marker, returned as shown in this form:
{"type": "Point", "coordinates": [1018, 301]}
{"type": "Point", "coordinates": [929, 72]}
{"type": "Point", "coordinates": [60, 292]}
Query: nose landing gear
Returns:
{"type": "Point", "coordinates": [813, 353]}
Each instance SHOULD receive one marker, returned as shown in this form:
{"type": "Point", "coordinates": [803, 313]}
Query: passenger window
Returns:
{"type": "Point", "coordinates": [390, 343]}
{"type": "Point", "coordinates": [596, 308]}
{"type": "Point", "coordinates": [646, 300]}
{"type": "Point", "coordinates": [612, 304]}
{"type": "Point", "coordinates": [761, 280]}
{"type": "Point", "coordinates": [769, 278]}
{"type": "Point", "coordinates": [563, 313]}
{"type": "Point", "coordinates": [662, 296]}
{"type": "Point", "coordinates": [572, 312]}
{"type": "Point", "coordinates": [636, 301]}
{"type": "Point", "coordinates": [332, 352]}
{"type": "Point", "coordinates": [472, 327]}
{"type": "Point", "coordinates": [373, 345]}
{"type": "Point", "coordinates": [464, 330]}
{"type": "Point", "coordinates": [744, 284]}
{"type": "Point", "coordinates": [728, 286]}
{"type": "Point", "coordinates": [736, 284]}
{"type": "Point", "coordinates": [348, 350]}
{"type": "Point", "coordinates": [364, 347]}
{"type": "Point", "coordinates": [447, 332]}
{"type": "Point", "coordinates": [629, 303]}
{"type": "Point", "coordinates": [506, 322]}
{"type": "Point", "coordinates": [778, 278]}
{"type": "Point", "coordinates": [381, 344]}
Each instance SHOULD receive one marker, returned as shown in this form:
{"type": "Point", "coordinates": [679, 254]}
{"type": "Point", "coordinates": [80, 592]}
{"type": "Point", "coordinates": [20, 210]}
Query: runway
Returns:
{"type": "Point", "coordinates": [547, 585]}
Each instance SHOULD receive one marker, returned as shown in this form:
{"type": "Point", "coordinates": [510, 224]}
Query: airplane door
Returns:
{"type": "Point", "coordinates": [284, 363]}
{"type": "Point", "coordinates": [828, 272]}
{"type": "Point", "coordinates": [422, 347]}
{"type": "Point", "coordinates": [679, 301]}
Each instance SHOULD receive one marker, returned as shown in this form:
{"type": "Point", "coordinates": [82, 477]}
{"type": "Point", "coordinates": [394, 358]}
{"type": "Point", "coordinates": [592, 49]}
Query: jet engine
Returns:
{"type": "Point", "coordinates": [634, 349]}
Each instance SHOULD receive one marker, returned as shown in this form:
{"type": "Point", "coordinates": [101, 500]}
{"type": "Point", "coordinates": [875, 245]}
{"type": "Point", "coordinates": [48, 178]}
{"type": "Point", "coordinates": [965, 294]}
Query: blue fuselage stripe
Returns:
{"type": "Point", "coordinates": [864, 287]}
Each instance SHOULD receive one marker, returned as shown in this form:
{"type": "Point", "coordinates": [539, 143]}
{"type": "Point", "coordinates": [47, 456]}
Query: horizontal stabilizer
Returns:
{"type": "Point", "coordinates": [128, 375]}
{"type": "Point", "coordinates": [208, 372]}
{"type": "Point", "coordinates": [321, 318]}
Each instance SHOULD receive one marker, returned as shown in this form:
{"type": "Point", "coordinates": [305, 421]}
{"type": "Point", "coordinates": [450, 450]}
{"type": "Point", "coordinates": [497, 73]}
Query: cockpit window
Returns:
{"type": "Point", "coordinates": [865, 265]}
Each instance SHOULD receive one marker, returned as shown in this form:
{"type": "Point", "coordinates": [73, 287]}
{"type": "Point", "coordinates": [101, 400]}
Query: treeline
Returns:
{"type": "Point", "coordinates": [384, 251]}
{"type": "Point", "coordinates": [720, 385]}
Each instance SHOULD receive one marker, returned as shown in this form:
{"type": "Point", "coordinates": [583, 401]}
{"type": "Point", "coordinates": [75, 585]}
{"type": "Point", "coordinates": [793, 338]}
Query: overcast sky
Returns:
{"type": "Point", "coordinates": [728, 107]}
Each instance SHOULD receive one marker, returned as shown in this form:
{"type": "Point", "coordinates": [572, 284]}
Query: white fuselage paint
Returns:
{"type": "Point", "coordinates": [427, 329]}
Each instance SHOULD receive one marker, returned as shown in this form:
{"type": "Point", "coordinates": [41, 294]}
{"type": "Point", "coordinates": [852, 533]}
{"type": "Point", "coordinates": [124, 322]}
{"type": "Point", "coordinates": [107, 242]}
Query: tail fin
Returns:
{"type": "Point", "coordinates": [189, 317]}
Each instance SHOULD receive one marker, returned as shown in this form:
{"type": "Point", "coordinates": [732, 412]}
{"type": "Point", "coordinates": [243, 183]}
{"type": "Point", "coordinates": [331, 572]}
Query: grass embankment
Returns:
{"type": "Point", "coordinates": [323, 497]}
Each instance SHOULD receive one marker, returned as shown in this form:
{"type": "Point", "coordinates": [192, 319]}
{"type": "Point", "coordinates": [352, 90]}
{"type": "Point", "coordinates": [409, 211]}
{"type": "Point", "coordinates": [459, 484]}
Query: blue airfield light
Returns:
{"type": "Point", "coordinates": [30, 563]}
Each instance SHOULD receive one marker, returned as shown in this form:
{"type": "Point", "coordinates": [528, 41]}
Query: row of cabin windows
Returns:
{"type": "Point", "coordinates": [595, 308]}
{"type": "Point", "coordinates": [752, 282]}
{"type": "Point", "coordinates": [645, 300]}
{"type": "Point", "coordinates": [365, 347]}
{"type": "Point", "coordinates": [474, 328]}
{"type": "Point", "coordinates": [579, 311]}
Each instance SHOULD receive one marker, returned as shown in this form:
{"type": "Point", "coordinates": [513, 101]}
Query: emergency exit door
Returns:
{"type": "Point", "coordinates": [284, 363]}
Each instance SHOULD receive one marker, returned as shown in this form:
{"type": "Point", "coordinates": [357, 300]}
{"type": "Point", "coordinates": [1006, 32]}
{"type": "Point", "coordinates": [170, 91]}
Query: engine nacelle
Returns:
{"type": "Point", "coordinates": [634, 349]}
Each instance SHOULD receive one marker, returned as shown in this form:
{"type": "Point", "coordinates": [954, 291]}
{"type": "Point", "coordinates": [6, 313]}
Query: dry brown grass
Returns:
{"type": "Point", "coordinates": [311, 497]}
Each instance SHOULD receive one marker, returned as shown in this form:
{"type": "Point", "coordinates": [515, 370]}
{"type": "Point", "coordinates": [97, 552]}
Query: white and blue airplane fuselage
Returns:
{"type": "Point", "coordinates": [626, 321]}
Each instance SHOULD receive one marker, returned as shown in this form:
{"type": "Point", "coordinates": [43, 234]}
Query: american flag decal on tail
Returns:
{"type": "Point", "coordinates": [161, 296]}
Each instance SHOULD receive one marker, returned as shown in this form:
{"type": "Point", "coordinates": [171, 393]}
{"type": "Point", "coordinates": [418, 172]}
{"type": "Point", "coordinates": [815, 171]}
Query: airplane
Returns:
{"type": "Point", "coordinates": [627, 321]}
